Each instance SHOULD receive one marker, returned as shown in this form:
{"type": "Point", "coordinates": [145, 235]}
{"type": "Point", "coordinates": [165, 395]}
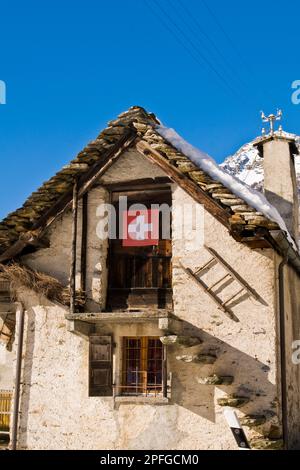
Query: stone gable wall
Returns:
{"type": "Point", "coordinates": [56, 409]}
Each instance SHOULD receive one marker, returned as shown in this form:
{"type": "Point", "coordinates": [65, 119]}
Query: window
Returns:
{"type": "Point", "coordinates": [142, 372]}
{"type": "Point", "coordinates": [140, 276]}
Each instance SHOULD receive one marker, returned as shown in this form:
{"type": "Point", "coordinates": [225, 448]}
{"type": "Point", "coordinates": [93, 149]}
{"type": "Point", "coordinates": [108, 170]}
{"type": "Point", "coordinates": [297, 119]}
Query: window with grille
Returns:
{"type": "Point", "coordinates": [142, 372]}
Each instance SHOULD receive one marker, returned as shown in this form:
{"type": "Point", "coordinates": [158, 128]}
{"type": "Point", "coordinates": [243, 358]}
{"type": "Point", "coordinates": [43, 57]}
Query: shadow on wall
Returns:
{"type": "Point", "coordinates": [250, 381]}
{"type": "Point", "coordinates": [250, 377]}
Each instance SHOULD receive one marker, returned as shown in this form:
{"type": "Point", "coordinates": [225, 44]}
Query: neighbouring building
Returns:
{"type": "Point", "coordinates": [6, 386]}
{"type": "Point", "coordinates": [6, 368]}
{"type": "Point", "coordinates": [140, 325]}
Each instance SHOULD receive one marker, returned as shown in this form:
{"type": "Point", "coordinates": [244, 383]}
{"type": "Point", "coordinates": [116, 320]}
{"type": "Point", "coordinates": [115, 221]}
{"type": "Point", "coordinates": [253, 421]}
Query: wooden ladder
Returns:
{"type": "Point", "coordinates": [230, 275]}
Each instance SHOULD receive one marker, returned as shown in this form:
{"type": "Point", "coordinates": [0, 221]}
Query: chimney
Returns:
{"type": "Point", "coordinates": [280, 183]}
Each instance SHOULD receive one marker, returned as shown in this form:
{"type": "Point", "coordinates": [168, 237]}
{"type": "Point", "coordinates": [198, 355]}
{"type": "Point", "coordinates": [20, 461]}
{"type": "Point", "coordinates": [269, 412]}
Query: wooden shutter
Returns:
{"type": "Point", "coordinates": [100, 366]}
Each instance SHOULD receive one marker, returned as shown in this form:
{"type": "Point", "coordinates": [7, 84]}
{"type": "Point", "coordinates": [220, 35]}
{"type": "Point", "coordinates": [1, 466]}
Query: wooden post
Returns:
{"type": "Point", "coordinates": [73, 247]}
{"type": "Point", "coordinates": [84, 244]}
{"type": "Point", "coordinates": [16, 405]}
{"type": "Point", "coordinates": [165, 372]}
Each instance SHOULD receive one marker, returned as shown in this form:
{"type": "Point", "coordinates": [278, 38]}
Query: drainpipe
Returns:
{"type": "Point", "coordinates": [284, 402]}
{"type": "Point", "coordinates": [16, 403]}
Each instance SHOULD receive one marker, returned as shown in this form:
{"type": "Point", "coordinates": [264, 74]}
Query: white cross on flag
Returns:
{"type": "Point", "coordinates": [141, 227]}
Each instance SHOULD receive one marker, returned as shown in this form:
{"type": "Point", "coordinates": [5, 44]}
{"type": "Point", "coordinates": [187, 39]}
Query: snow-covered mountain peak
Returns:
{"type": "Point", "coordinates": [247, 165]}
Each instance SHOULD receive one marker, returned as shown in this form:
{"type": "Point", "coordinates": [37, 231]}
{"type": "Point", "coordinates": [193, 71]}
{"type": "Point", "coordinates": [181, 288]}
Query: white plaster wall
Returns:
{"type": "Point", "coordinates": [246, 349]}
{"type": "Point", "coordinates": [56, 259]}
{"type": "Point", "coordinates": [97, 250]}
{"type": "Point", "coordinates": [56, 409]}
{"type": "Point", "coordinates": [131, 166]}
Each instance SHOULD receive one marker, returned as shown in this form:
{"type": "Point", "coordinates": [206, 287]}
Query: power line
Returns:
{"type": "Point", "coordinates": [229, 66]}
{"type": "Point", "coordinates": [178, 39]}
{"type": "Point", "coordinates": [203, 57]}
{"type": "Point", "coordinates": [233, 45]}
{"type": "Point", "coordinates": [195, 48]}
{"type": "Point", "coordinates": [218, 22]}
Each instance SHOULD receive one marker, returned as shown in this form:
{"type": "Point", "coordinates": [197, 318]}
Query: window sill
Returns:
{"type": "Point", "coordinates": [142, 400]}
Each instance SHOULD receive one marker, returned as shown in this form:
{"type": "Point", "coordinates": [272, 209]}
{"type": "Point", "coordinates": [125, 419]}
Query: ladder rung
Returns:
{"type": "Point", "coordinates": [211, 294]}
{"type": "Point", "coordinates": [218, 282]}
{"type": "Point", "coordinates": [204, 267]}
{"type": "Point", "coordinates": [235, 275]}
{"type": "Point", "coordinates": [233, 296]}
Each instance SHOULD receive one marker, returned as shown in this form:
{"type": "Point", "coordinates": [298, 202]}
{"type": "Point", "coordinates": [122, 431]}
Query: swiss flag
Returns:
{"type": "Point", "coordinates": [141, 227]}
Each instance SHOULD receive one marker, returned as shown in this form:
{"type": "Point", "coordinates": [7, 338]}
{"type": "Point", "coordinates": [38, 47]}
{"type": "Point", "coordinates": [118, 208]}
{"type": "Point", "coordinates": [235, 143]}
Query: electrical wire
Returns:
{"type": "Point", "coordinates": [219, 24]}
{"type": "Point", "coordinates": [233, 45]}
{"type": "Point", "coordinates": [189, 41]}
{"type": "Point", "coordinates": [198, 26]}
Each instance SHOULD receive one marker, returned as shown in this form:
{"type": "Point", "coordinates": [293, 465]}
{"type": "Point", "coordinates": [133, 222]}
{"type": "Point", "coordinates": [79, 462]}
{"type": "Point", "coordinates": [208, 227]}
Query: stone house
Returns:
{"type": "Point", "coordinates": [141, 346]}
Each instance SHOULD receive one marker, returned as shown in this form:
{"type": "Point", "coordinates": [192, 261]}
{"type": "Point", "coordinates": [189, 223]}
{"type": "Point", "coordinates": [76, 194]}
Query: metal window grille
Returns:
{"type": "Point", "coordinates": [142, 372]}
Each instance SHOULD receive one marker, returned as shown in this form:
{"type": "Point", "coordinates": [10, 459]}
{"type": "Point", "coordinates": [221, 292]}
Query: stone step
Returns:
{"type": "Point", "coordinates": [170, 326]}
{"type": "Point", "coordinates": [266, 444]}
{"type": "Point", "coordinates": [198, 358]}
{"type": "Point", "coordinates": [252, 421]}
{"type": "Point", "coordinates": [233, 401]}
{"type": "Point", "coordinates": [215, 380]}
{"type": "Point", "coordinates": [183, 341]}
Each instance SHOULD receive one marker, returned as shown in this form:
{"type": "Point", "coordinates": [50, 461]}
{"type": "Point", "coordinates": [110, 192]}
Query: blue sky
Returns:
{"type": "Point", "coordinates": [70, 66]}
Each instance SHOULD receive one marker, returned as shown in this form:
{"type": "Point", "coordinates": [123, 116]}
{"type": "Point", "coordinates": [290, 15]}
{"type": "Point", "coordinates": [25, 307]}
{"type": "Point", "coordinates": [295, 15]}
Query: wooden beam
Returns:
{"type": "Point", "coordinates": [155, 196]}
{"type": "Point", "coordinates": [24, 240]}
{"type": "Point", "coordinates": [208, 292]}
{"type": "Point", "coordinates": [182, 180]}
{"type": "Point", "coordinates": [86, 181]}
{"type": "Point", "coordinates": [233, 274]}
{"type": "Point", "coordinates": [256, 243]}
{"type": "Point", "coordinates": [84, 232]}
{"type": "Point", "coordinates": [73, 248]}
{"type": "Point", "coordinates": [165, 372]}
{"type": "Point", "coordinates": [144, 183]}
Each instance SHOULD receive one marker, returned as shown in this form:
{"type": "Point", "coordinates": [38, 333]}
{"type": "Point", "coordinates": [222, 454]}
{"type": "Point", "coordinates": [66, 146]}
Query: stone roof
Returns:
{"type": "Point", "coordinates": [26, 225]}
